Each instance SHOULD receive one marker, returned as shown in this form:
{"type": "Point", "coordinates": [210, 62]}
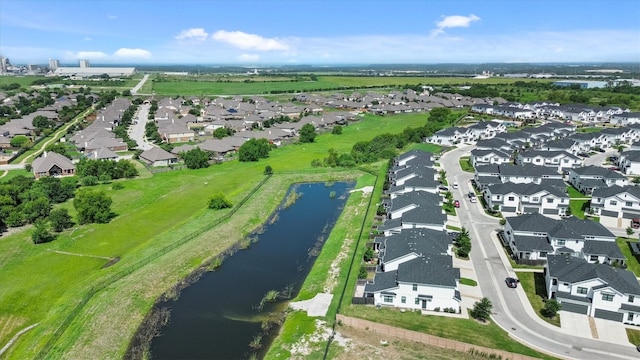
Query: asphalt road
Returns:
{"type": "Point", "coordinates": [511, 309]}
{"type": "Point", "coordinates": [137, 88]}
{"type": "Point", "coordinates": [136, 131]}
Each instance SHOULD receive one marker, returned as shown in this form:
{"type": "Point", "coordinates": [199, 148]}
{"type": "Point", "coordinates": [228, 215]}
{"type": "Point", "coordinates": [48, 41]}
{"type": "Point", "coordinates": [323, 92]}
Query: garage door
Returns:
{"type": "Point", "coordinates": [575, 308]}
{"type": "Point", "coordinates": [608, 315]}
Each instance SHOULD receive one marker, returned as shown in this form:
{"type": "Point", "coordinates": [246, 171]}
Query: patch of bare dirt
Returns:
{"type": "Point", "coordinates": [368, 345]}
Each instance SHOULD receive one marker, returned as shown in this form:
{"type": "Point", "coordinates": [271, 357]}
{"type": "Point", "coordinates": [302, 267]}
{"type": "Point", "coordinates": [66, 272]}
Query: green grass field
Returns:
{"type": "Point", "coordinates": [153, 212]}
{"type": "Point", "coordinates": [210, 85]}
{"type": "Point", "coordinates": [534, 286]}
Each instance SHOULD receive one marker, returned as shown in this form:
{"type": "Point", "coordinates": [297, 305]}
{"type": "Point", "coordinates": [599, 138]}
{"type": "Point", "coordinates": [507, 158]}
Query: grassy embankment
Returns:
{"type": "Point", "coordinates": [152, 213]}
{"type": "Point", "coordinates": [534, 286]}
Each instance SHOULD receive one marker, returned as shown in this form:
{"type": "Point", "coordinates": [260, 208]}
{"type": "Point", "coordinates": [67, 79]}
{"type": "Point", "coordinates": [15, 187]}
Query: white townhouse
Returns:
{"type": "Point", "coordinates": [486, 129]}
{"type": "Point", "coordinates": [588, 178]}
{"type": "Point", "coordinates": [616, 205]}
{"type": "Point", "coordinates": [416, 209]}
{"type": "Point", "coordinates": [449, 136]}
{"type": "Point", "coordinates": [512, 199]}
{"type": "Point", "coordinates": [568, 145]}
{"type": "Point", "coordinates": [619, 136]}
{"type": "Point", "coordinates": [596, 290]}
{"type": "Point", "coordinates": [625, 118]}
{"type": "Point", "coordinates": [482, 157]}
{"type": "Point", "coordinates": [425, 283]}
{"type": "Point", "coordinates": [560, 161]}
{"type": "Point", "coordinates": [534, 236]}
{"type": "Point", "coordinates": [629, 162]}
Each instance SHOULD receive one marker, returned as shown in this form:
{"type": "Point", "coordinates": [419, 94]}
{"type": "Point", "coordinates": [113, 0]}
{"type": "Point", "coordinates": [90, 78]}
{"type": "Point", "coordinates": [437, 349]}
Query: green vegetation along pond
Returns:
{"type": "Point", "coordinates": [233, 312]}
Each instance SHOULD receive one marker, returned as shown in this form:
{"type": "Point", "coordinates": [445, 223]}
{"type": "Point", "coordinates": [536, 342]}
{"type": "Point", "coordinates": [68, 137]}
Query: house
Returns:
{"type": "Point", "coordinates": [588, 178]}
{"type": "Point", "coordinates": [625, 118]}
{"type": "Point", "coordinates": [568, 145]}
{"type": "Point", "coordinates": [616, 205]}
{"type": "Point", "coordinates": [629, 162]}
{"type": "Point", "coordinates": [410, 244]}
{"type": "Point", "coordinates": [157, 156]}
{"type": "Point", "coordinates": [560, 161]}
{"type": "Point", "coordinates": [479, 156]}
{"type": "Point", "coordinates": [511, 199]}
{"type": "Point", "coordinates": [448, 136]}
{"type": "Point", "coordinates": [415, 209]}
{"type": "Point", "coordinates": [486, 129]}
{"type": "Point", "coordinates": [424, 283]}
{"type": "Point", "coordinates": [596, 290]}
{"type": "Point", "coordinates": [52, 164]}
{"type": "Point", "coordinates": [102, 154]}
{"type": "Point", "coordinates": [534, 236]}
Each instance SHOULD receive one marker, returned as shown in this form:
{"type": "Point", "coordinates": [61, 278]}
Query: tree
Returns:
{"type": "Point", "coordinates": [463, 243]}
{"type": "Point", "coordinates": [439, 115]}
{"type": "Point", "coordinates": [42, 122]}
{"type": "Point", "coordinates": [254, 150]}
{"type": "Point", "coordinates": [196, 159]}
{"type": "Point", "coordinates": [551, 308]}
{"type": "Point", "coordinates": [41, 233]}
{"type": "Point", "coordinates": [369, 254]}
{"type": "Point", "coordinates": [20, 141]}
{"type": "Point", "coordinates": [60, 219]}
{"type": "Point", "coordinates": [36, 209]}
{"type": "Point", "coordinates": [636, 180]}
{"type": "Point", "coordinates": [337, 130]}
{"type": "Point", "coordinates": [222, 132]}
{"type": "Point", "coordinates": [126, 93]}
{"type": "Point", "coordinates": [93, 206]}
{"type": "Point", "coordinates": [218, 201]}
{"type": "Point", "coordinates": [482, 309]}
{"type": "Point", "coordinates": [268, 170]}
{"type": "Point", "coordinates": [307, 133]}
{"type": "Point", "coordinates": [629, 231]}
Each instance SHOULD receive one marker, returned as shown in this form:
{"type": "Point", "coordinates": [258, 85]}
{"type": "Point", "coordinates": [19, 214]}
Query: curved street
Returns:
{"type": "Point", "coordinates": [511, 308]}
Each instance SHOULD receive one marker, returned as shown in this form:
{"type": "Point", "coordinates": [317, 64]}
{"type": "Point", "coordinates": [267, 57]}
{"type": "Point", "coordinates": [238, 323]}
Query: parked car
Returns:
{"type": "Point", "coordinates": [455, 185]}
{"type": "Point", "coordinates": [472, 197]}
{"type": "Point", "coordinates": [456, 203]}
{"type": "Point", "coordinates": [511, 282]}
{"type": "Point", "coordinates": [443, 188]}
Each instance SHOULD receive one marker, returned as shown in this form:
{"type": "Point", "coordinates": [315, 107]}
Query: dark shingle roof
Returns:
{"type": "Point", "coordinates": [608, 248]}
{"type": "Point", "coordinates": [422, 242]}
{"type": "Point", "coordinates": [433, 270]}
{"type": "Point", "coordinates": [532, 243]}
{"type": "Point", "coordinates": [573, 270]}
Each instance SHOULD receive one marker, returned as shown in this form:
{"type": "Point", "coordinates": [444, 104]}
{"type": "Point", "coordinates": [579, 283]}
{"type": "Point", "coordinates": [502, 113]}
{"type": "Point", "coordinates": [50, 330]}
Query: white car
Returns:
{"type": "Point", "coordinates": [455, 185]}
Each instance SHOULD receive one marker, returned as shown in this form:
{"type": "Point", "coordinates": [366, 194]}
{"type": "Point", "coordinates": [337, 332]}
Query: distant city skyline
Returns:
{"type": "Point", "coordinates": [281, 32]}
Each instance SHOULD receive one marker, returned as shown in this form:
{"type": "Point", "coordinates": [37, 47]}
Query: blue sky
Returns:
{"type": "Point", "coordinates": [244, 32]}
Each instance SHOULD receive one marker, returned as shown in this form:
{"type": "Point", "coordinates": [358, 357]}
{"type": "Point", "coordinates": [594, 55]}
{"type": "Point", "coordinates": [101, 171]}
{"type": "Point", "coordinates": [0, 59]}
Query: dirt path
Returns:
{"type": "Point", "coordinates": [15, 337]}
{"type": "Point", "coordinates": [82, 255]}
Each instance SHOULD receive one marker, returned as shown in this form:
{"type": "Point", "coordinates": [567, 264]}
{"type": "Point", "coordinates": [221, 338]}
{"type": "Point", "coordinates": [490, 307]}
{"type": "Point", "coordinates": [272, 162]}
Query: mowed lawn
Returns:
{"type": "Point", "coordinates": [42, 286]}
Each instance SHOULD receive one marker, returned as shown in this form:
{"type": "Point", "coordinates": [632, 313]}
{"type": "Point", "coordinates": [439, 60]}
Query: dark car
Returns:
{"type": "Point", "coordinates": [511, 282]}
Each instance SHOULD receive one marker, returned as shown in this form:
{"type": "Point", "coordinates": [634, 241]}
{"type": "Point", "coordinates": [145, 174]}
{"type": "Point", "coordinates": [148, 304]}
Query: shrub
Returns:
{"type": "Point", "coordinates": [218, 201]}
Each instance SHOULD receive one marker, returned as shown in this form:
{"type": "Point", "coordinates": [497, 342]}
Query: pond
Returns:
{"type": "Point", "coordinates": [220, 315]}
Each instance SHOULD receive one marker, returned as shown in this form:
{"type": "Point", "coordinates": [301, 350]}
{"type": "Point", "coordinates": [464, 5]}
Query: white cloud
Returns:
{"type": "Point", "coordinates": [246, 41]}
{"type": "Point", "coordinates": [111, 17]}
{"type": "Point", "coordinates": [193, 33]}
{"type": "Point", "coordinates": [91, 55]}
{"type": "Point", "coordinates": [86, 38]}
{"type": "Point", "coordinates": [453, 21]}
{"type": "Point", "coordinates": [132, 53]}
{"type": "Point", "coordinates": [248, 57]}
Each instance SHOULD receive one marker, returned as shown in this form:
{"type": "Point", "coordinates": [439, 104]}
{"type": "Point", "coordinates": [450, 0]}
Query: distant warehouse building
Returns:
{"type": "Point", "coordinates": [583, 84]}
{"type": "Point", "coordinates": [85, 72]}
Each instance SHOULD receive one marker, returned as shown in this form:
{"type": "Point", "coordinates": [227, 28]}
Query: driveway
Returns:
{"type": "Point", "coordinates": [575, 324]}
{"type": "Point", "coordinates": [612, 331]}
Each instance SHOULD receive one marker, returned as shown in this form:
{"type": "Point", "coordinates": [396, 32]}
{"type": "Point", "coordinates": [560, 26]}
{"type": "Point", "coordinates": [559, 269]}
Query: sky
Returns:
{"type": "Point", "coordinates": [311, 32]}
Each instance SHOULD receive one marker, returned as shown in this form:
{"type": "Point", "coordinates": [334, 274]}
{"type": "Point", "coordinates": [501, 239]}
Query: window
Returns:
{"type": "Point", "coordinates": [560, 242]}
{"type": "Point", "coordinates": [387, 298]}
{"type": "Point", "coordinates": [630, 317]}
{"type": "Point", "coordinates": [415, 287]}
{"type": "Point", "coordinates": [403, 299]}
{"type": "Point", "coordinates": [628, 203]}
{"type": "Point", "coordinates": [511, 198]}
{"type": "Point", "coordinates": [631, 298]}
{"type": "Point", "coordinates": [582, 290]}
{"type": "Point", "coordinates": [613, 202]}
{"type": "Point", "coordinates": [543, 254]}
{"type": "Point", "coordinates": [593, 258]}
{"type": "Point", "coordinates": [417, 301]}
{"type": "Point", "coordinates": [554, 282]}
{"type": "Point", "coordinates": [607, 297]}
{"type": "Point", "coordinates": [549, 200]}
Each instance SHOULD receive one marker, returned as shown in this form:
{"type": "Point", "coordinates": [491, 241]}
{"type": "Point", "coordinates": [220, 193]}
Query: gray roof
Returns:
{"type": "Point", "coordinates": [567, 228]}
{"type": "Point", "coordinates": [157, 154]}
{"type": "Point", "coordinates": [526, 170]}
{"type": "Point", "coordinates": [428, 210]}
{"type": "Point", "coordinates": [608, 248]}
{"type": "Point", "coordinates": [532, 243]}
{"type": "Point", "coordinates": [432, 270]}
{"type": "Point", "coordinates": [525, 189]}
{"type": "Point", "coordinates": [573, 270]}
{"type": "Point", "coordinates": [613, 190]}
{"type": "Point", "coordinates": [593, 170]}
{"type": "Point", "coordinates": [422, 242]}
{"type": "Point", "coordinates": [49, 159]}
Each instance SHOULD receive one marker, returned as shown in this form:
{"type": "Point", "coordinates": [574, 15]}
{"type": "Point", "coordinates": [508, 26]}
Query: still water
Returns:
{"type": "Point", "coordinates": [218, 316]}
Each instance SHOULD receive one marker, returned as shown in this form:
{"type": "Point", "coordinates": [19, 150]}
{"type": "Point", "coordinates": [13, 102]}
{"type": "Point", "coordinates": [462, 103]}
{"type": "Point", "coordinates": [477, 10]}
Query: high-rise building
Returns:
{"type": "Point", "coordinates": [54, 64]}
{"type": "Point", "coordinates": [84, 64]}
{"type": "Point", "coordinates": [4, 64]}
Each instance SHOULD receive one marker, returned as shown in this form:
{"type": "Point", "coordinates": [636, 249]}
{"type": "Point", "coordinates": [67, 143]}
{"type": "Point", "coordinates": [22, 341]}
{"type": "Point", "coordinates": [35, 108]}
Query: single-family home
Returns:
{"type": "Point", "coordinates": [616, 205]}
{"type": "Point", "coordinates": [511, 199]}
{"type": "Point", "coordinates": [157, 156]}
{"type": "Point", "coordinates": [481, 157]}
{"type": "Point", "coordinates": [560, 161]}
{"type": "Point", "coordinates": [52, 164]}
